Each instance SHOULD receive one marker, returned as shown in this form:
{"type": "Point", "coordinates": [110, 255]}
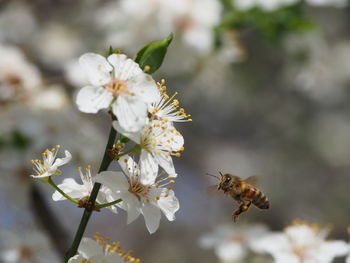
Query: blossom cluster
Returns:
{"type": "Point", "coordinates": [300, 242]}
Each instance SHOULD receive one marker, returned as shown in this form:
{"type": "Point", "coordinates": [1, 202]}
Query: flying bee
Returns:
{"type": "Point", "coordinates": [242, 191]}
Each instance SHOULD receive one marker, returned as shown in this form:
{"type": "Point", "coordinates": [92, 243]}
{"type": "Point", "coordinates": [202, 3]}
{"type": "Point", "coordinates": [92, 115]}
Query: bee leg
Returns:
{"type": "Point", "coordinates": [242, 208]}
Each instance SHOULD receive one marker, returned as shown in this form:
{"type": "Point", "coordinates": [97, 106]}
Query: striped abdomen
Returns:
{"type": "Point", "coordinates": [256, 197]}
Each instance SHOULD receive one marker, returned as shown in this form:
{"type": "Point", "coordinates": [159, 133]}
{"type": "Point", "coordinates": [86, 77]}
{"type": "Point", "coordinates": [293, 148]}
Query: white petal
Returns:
{"type": "Point", "coordinates": [92, 99]}
{"type": "Point", "coordinates": [144, 87]}
{"type": "Point", "coordinates": [62, 161]}
{"type": "Point", "coordinates": [129, 166]}
{"type": "Point", "coordinates": [152, 216]}
{"type": "Point", "coordinates": [347, 259]}
{"type": "Point", "coordinates": [133, 206]}
{"type": "Point", "coordinates": [169, 205]}
{"type": "Point", "coordinates": [166, 163]}
{"type": "Point", "coordinates": [76, 259]}
{"type": "Point", "coordinates": [131, 113]}
{"type": "Point", "coordinates": [72, 188]}
{"type": "Point", "coordinates": [135, 136]}
{"type": "Point", "coordinates": [97, 68]}
{"type": "Point", "coordinates": [124, 68]}
{"type": "Point", "coordinates": [89, 248]}
{"type": "Point", "coordinates": [231, 251]}
{"type": "Point", "coordinates": [149, 168]}
{"type": "Point", "coordinates": [115, 181]}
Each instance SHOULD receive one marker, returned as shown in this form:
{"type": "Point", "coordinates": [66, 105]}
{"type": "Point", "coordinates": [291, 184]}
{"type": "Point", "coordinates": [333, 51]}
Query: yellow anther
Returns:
{"type": "Point", "coordinates": [170, 188]}
{"type": "Point", "coordinates": [182, 148]}
{"type": "Point", "coordinates": [156, 198]}
{"type": "Point", "coordinates": [172, 182]}
{"type": "Point", "coordinates": [178, 154]}
{"type": "Point", "coordinates": [162, 81]}
{"type": "Point", "coordinates": [147, 68]}
{"type": "Point", "coordinates": [58, 146]}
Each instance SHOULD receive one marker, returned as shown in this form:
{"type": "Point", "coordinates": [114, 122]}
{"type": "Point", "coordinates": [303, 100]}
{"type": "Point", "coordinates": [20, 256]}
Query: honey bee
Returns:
{"type": "Point", "coordinates": [242, 191]}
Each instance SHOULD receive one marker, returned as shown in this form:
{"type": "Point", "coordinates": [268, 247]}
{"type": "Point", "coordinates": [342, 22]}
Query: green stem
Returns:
{"type": "Point", "coordinates": [83, 222]}
{"type": "Point", "coordinates": [91, 203]}
{"type": "Point", "coordinates": [52, 183]}
{"type": "Point", "coordinates": [109, 204]}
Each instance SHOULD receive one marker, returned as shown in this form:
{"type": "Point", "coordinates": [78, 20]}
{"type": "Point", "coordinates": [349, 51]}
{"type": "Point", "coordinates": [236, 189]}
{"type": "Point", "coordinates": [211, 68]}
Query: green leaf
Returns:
{"type": "Point", "coordinates": [151, 56]}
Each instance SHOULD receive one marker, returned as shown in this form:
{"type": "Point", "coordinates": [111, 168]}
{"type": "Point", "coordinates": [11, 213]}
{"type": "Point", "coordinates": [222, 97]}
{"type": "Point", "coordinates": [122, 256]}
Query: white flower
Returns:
{"type": "Point", "coordinates": [165, 108]}
{"type": "Point", "coordinates": [99, 251]}
{"type": "Point", "coordinates": [19, 79]}
{"type": "Point", "coordinates": [49, 165]}
{"type": "Point", "coordinates": [81, 191]}
{"type": "Point", "coordinates": [231, 243]}
{"type": "Point", "coordinates": [26, 246]}
{"type": "Point", "coordinates": [301, 243]}
{"type": "Point", "coordinates": [158, 140]}
{"type": "Point", "coordinates": [120, 82]}
{"type": "Point", "coordinates": [140, 194]}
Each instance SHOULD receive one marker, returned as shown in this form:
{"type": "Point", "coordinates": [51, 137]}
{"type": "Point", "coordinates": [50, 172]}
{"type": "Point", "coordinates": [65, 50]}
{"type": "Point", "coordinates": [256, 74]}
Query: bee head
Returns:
{"type": "Point", "coordinates": [226, 182]}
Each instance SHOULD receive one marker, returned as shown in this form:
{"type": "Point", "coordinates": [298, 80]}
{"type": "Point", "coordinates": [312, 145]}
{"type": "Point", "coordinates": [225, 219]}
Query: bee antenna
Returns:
{"type": "Point", "coordinates": [221, 174]}
{"type": "Point", "coordinates": [213, 176]}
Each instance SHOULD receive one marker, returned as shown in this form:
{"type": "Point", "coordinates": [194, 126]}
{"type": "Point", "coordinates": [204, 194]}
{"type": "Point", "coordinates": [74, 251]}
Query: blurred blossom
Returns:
{"type": "Point", "coordinates": [301, 243]}
{"type": "Point", "coordinates": [232, 243]}
{"type": "Point", "coordinates": [53, 97]}
{"type": "Point", "coordinates": [17, 22]}
{"type": "Point", "coordinates": [26, 246]}
{"type": "Point", "coordinates": [131, 22]}
{"type": "Point", "coordinates": [267, 5]}
{"type": "Point", "coordinates": [325, 72]}
{"type": "Point", "coordinates": [232, 49]}
{"type": "Point", "coordinates": [19, 79]}
{"type": "Point", "coordinates": [56, 44]}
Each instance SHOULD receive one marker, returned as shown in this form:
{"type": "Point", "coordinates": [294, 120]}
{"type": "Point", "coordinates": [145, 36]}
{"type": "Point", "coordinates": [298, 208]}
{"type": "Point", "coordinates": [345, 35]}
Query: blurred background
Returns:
{"type": "Point", "coordinates": [267, 83]}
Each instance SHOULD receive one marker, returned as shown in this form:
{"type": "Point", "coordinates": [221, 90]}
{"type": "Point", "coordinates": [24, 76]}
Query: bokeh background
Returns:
{"type": "Point", "coordinates": [267, 83]}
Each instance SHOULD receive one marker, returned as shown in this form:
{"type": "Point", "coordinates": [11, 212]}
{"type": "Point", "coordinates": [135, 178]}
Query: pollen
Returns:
{"type": "Point", "coordinates": [147, 68]}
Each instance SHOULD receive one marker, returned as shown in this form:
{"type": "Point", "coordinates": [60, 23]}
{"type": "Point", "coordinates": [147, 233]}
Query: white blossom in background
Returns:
{"type": "Point", "coordinates": [98, 250]}
{"type": "Point", "coordinates": [19, 79]}
{"type": "Point", "coordinates": [141, 194]}
{"type": "Point", "coordinates": [325, 74]}
{"type": "Point", "coordinates": [26, 246]}
{"type": "Point", "coordinates": [50, 163]}
{"type": "Point", "coordinates": [75, 74]}
{"type": "Point", "coordinates": [301, 243]}
{"type": "Point", "coordinates": [328, 3]}
{"type": "Point", "coordinates": [82, 191]}
{"type": "Point", "coordinates": [159, 140]}
{"type": "Point", "coordinates": [52, 98]}
{"type": "Point", "coordinates": [56, 44]}
{"type": "Point", "coordinates": [120, 83]}
{"type": "Point", "coordinates": [140, 21]}
{"type": "Point", "coordinates": [267, 5]}
{"type": "Point", "coordinates": [232, 243]}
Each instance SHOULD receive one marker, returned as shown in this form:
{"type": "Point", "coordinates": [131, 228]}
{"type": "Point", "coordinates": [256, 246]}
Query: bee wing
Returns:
{"type": "Point", "coordinates": [253, 180]}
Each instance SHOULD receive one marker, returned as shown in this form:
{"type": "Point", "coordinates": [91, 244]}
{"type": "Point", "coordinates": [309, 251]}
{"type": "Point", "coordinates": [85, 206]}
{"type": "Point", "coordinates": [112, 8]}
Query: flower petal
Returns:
{"type": "Point", "coordinates": [152, 216]}
{"type": "Point", "coordinates": [96, 67]}
{"type": "Point", "coordinates": [135, 136]}
{"type": "Point", "coordinates": [115, 181]}
{"type": "Point", "coordinates": [113, 258]}
{"type": "Point", "coordinates": [131, 113]}
{"type": "Point", "coordinates": [169, 205]}
{"type": "Point", "coordinates": [62, 161]}
{"type": "Point", "coordinates": [129, 166]}
{"type": "Point", "coordinates": [89, 248]}
{"type": "Point", "coordinates": [124, 67]}
{"type": "Point", "coordinates": [71, 188]}
{"type": "Point", "coordinates": [166, 163]}
{"type": "Point", "coordinates": [92, 99]}
{"type": "Point", "coordinates": [76, 259]}
{"type": "Point", "coordinates": [132, 206]}
{"type": "Point", "coordinates": [149, 168]}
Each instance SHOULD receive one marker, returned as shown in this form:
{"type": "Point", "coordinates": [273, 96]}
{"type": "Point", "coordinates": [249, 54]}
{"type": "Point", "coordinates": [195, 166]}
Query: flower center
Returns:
{"type": "Point", "coordinates": [117, 87]}
{"type": "Point", "coordinates": [25, 252]}
{"type": "Point", "coordinates": [138, 189]}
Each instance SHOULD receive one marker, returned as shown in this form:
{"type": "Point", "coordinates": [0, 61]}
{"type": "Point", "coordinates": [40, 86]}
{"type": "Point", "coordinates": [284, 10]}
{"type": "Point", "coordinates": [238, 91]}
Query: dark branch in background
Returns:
{"type": "Point", "coordinates": [49, 221]}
